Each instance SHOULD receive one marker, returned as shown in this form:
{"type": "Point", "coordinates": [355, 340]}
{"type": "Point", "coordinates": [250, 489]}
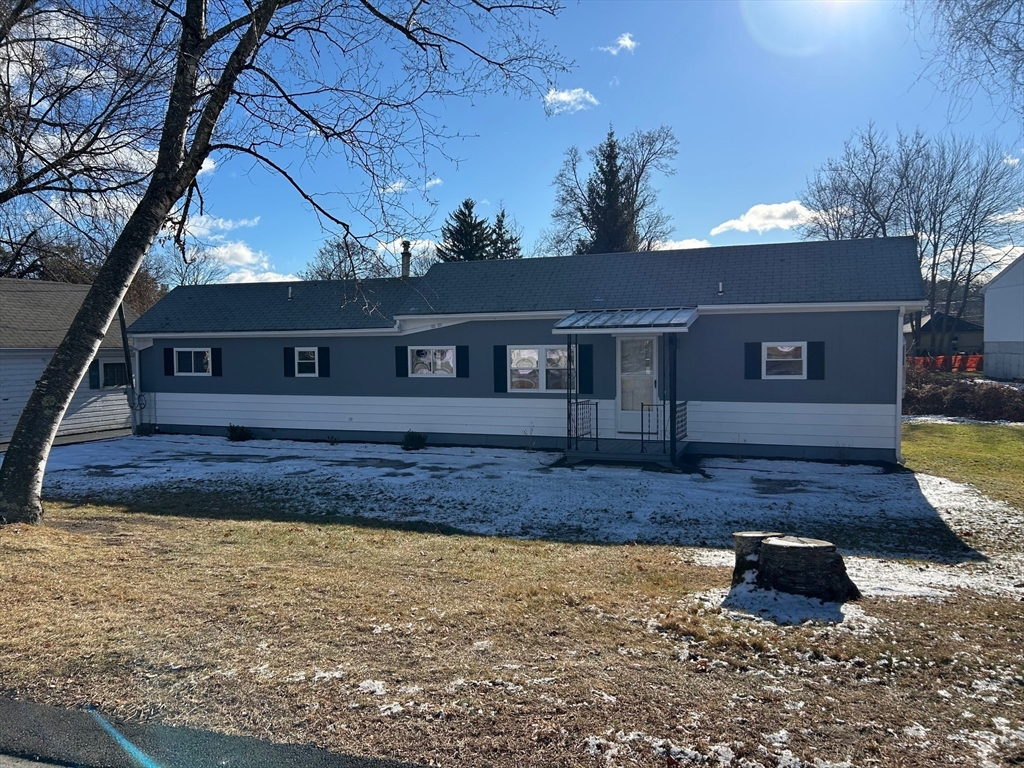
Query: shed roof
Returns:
{"type": "Point", "coordinates": [36, 314]}
{"type": "Point", "coordinates": [876, 270]}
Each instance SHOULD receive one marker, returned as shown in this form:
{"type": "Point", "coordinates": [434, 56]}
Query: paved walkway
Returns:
{"type": "Point", "coordinates": [78, 737]}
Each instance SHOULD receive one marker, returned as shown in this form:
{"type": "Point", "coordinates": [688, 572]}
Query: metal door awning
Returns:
{"type": "Point", "coordinates": [675, 319]}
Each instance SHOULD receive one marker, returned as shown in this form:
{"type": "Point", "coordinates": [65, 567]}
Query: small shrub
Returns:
{"type": "Point", "coordinates": [414, 441]}
{"type": "Point", "coordinates": [145, 430]}
{"type": "Point", "coordinates": [974, 400]}
{"type": "Point", "coordinates": [238, 434]}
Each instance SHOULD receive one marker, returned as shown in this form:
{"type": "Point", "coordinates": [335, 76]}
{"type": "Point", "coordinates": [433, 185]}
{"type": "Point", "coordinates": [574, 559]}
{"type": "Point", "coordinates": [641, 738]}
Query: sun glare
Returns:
{"type": "Point", "coordinates": [803, 28]}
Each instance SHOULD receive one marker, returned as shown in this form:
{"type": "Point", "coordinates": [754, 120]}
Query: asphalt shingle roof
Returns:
{"type": "Point", "coordinates": [36, 314]}
{"type": "Point", "coordinates": [784, 273]}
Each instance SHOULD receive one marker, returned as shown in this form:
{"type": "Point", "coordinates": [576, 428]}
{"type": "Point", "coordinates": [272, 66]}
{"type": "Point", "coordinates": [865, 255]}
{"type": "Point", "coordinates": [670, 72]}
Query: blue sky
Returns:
{"type": "Point", "coordinates": [758, 94]}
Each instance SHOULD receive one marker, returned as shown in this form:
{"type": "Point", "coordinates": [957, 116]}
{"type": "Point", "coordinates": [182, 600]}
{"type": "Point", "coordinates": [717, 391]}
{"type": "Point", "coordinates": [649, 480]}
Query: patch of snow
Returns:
{"type": "Point", "coordinates": [778, 738]}
{"type": "Point", "coordinates": [956, 420]}
{"type": "Point", "coordinates": [891, 517]}
{"type": "Point", "coordinates": [393, 708]}
{"type": "Point", "coordinates": [376, 687]}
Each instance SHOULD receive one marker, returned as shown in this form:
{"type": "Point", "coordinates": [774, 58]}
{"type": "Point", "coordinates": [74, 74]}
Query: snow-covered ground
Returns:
{"type": "Point", "coordinates": [956, 536]}
{"type": "Point", "coordinates": [956, 420]}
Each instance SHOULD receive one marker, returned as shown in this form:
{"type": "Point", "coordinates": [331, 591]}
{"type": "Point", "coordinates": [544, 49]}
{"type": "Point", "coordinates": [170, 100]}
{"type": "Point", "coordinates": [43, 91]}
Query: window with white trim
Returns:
{"type": "Point", "coordinates": [431, 361]}
{"type": "Point", "coordinates": [114, 375]}
{"type": "Point", "coordinates": [784, 360]}
{"type": "Point", "coordinates": [307, 363]}
{"type": "Point", "coordinates": [192, 362]}
{"type": "Point", "coordinates": [538, 369]}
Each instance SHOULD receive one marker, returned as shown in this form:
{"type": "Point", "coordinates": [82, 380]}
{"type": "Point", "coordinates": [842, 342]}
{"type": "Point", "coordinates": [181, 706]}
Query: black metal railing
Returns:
{"type": "Point", "coordinates": [680, 420]}
{"type": "Point", "coordinates": [653, 427]}
{"type": "Point", "coordinates": [583, 422]}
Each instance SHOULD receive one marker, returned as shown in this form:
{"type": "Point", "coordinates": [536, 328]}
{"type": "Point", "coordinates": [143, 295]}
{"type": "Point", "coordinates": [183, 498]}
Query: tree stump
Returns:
{"type": "Point", "coordinates": [802, 566]}
{"type": "Point", "coordinates": [748, 547]}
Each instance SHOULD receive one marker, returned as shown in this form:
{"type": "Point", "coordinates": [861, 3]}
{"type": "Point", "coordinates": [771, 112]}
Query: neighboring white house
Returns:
{"type": "Point", "coordinates": [34, 316]}
{"type": "Point", "coordinates": [1004, 323]}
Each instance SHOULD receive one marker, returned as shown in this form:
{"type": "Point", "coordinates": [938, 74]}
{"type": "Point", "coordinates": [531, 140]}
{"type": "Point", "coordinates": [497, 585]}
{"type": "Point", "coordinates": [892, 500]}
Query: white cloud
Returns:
{"type": "Point", "coordinates": [237, 253]}
{"type": "Point", "coordinates": [614, 82]}
{"type": "Point", "coordinates": [485, 201]}
{"type": "Point", "coordinates": [624, 43]}
{"type": "Point", "coordinates": [763, 217]}
{"type": "Point", "coordinates": [433, 183]}
{"type": "Point", "coordinates": [208, 166]}
{"type": "Point", "coordinates": [557, 102]}
{"type": "Point", "coordinates": [1011, 161]}
{"type": "Point", "coordinates": [1011, 217]}
{"type": "Point", "coordinates": [212, 227]}
{"type": "Point", "coordinates": [246, 275]}
{"type": "Point", "coordinates": [245, 265]}
{"type": "Point", "coordinates": [396, 187]}
{"type": "Point", "coordinates": [675, 245]}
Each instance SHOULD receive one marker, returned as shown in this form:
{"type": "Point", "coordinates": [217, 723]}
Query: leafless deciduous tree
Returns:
{"type": "Point", "coordinates": [642, 154]}
{"type": "Point", "coordinates": [346, 258]}
{"type": "Point", "coordinates": [198, 265]}
{"type": "Point", "coordinates": [961, 199]}
{"type": "Point", "coordinates": [82, 88]}
{"type": "Point", "coordinates": [976, 45]}
{"type": "Point", "coordinates": [349, 76]}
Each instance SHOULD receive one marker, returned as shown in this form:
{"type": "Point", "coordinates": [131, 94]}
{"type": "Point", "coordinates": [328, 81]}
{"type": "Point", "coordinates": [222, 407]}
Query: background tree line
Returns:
{"type": "Point", "coordinates": [962, 199]}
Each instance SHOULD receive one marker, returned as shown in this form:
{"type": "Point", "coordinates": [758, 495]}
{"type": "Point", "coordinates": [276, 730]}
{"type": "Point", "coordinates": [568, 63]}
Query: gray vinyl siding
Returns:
{"type": "Point", "coordinates": [860, 357]}
{"type": "Point", "coordinates": [365, 366]}
{"type": "Point", "coordinates": [860, 361]}
{"type": "Point", "coordinates": [91, 410]}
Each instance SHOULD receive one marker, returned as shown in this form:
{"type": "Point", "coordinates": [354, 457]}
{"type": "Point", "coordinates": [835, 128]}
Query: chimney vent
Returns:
{"type": "Point", "coordinates": [289, 293]}
{"type": "Point", "coordinates": [720, 291]}
{"type": "Point", "coordinates": [406, 257]}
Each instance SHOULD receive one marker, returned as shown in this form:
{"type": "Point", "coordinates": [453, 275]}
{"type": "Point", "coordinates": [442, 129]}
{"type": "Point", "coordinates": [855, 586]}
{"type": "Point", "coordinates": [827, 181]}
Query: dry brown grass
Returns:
{"type": "Point", "coordinates": [500, 652]}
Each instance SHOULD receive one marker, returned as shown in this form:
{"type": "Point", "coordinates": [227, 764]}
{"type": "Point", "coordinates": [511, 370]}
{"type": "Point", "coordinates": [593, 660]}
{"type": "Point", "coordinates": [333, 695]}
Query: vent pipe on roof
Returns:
{"type": "Point", "coordinates": [289, 293]}
{"type": "Point", "coordinates": [406, 257]}
{"type": "Point", "coordinates": [720, 291]}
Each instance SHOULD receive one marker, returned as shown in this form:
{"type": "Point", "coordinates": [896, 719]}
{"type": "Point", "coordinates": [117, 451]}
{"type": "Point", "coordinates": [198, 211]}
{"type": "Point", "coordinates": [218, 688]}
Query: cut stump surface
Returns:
{"type": "Point", "coordinates": [800, 566]}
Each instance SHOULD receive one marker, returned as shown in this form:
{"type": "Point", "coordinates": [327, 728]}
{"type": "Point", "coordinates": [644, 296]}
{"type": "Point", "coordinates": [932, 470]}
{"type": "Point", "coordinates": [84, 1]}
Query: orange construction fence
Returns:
{"type": "Point", "coordinates": [970, 363]}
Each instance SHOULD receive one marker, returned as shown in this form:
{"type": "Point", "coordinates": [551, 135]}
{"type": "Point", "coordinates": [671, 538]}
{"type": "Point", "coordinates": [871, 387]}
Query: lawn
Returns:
{"type": "Point", "coordinates": [380, 632]}
{"type": "Point", "coordinates": [989, 456]}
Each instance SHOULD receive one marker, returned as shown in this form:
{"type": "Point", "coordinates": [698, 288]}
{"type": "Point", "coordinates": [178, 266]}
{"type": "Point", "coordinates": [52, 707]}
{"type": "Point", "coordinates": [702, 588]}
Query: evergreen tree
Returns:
{"type": "Point", "coordinates": [506, 242]}
{"type": "Point", "coordinates": [615, 207]}
{"type": "Point", "coordinates": [465, 236]}
{"type": "Point", "coordinates": [608, 215]}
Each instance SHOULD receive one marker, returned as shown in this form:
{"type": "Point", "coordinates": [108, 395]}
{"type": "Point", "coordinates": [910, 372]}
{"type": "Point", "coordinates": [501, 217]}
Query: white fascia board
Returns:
{"type": "Point", "coordinates": [832, 306]}
{"type": "Point", "coordinates": [264, 334]}
{"type": "Point", "coordinates": [404, 324]}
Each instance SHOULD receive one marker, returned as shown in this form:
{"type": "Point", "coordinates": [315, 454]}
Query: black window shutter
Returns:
{"type": "Point", "coordinates": [323, 361]}
{"type": "Point", "coordinates": [402, 362]}
{"type": "Point", "coordinates": [500, 368]}
{"type": "Point", "coordinates": [216, 364]}
{"type": "Point", "coordinates": [289, 361]}
{"type": "Point", "coordinates": [168, 361]}
{"type": "Point", "coordinates": [752, 360]}
{"type": "Point", "coordinates": [585, 369]}
{"type": "Point", "coordinates": [462, 362]}
{"type": "Point", "coordinates": [94, 374]}
{"type": "Point", "coordinates": [816, 360]}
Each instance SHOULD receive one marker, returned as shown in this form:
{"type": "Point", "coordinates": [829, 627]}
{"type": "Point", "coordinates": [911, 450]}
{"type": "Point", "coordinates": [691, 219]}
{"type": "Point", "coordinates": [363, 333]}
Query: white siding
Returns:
{"type": "Point", "coordinates": [829, 425]}
{"type": "Point", "coordinates": [1004, 305]}
{"type": "Point", "coordinates": [91, 410]}
{"type": "Point", "coordinates": [541, 417]}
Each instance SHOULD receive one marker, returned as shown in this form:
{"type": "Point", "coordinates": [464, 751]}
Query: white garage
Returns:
{"type": "Point", "coordinates": [34, 316]}
{"type": "Point", "coordinates": [1004, 323]}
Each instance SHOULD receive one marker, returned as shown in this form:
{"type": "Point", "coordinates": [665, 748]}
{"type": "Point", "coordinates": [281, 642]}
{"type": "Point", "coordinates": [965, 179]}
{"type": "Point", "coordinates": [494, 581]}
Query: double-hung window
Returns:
{"type": "Point", "coordinates": [192, 362]}
{"type": "Point", "coordinates": [306, 361]}
{"type": "Point", "coordinates": [784, 360]}
{"type": "Point", "coordinates": [538, 369]}
{"type": "Point", "coordinates": [431, 361]}
{"type": "Point", "coordinates": [114, 375]}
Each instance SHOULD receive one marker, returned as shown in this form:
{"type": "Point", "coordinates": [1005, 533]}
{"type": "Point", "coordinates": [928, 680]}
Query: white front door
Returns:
{"type": "Point", "coordinates": [637, 381]}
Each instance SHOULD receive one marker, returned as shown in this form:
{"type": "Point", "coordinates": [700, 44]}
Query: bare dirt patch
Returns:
{"type": "Point", "coordinates": [463, 650]}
